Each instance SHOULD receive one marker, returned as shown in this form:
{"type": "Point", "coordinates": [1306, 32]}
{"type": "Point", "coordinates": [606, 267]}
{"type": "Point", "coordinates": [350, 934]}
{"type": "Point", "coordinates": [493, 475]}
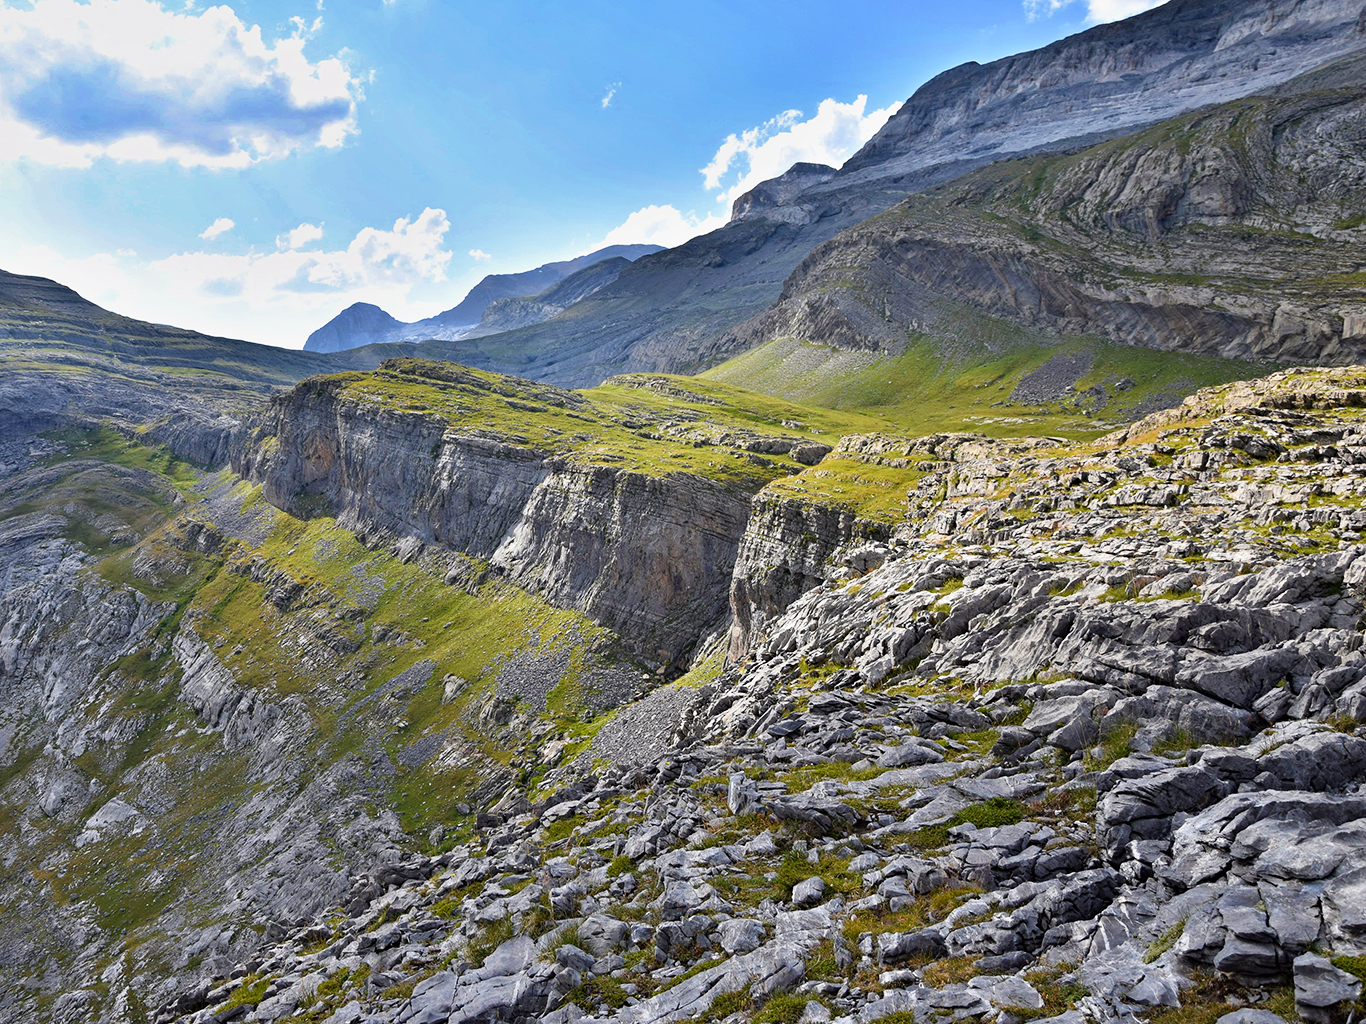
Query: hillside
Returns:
{"type": "Point", "coordinates": [65, 361]}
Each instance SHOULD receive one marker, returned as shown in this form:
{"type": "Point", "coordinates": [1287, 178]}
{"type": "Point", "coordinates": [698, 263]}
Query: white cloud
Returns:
{"type": "Point", "coordinates": [662, 225]}
{"type": "Point", "coordinates": [1097, 11]}
{"type": "Point", "coordinates": [278, 297]}
{"type": "Point", "coordinates": [219, 227]}
{"type": "Point", "coordinates": [611, 91]}
{"type": "Point", "coordinates": [766, 151]}
{"type": "Point", "coordinates": [134, 81]}
{"type": "Point", "coordinates": [480, 255]}
{"type": "Point", "coordinates": [299, 237]}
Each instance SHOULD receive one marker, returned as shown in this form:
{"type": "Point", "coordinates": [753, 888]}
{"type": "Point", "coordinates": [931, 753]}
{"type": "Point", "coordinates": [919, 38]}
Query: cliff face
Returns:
{"type": "Point", "coordinates": [1178, 57]}
{"type": "Point", "coordinates": [650, 557]}
{"type": "Point", "coordinates": [785, 552]}
{"type": "Point", "coordinates": [1225, 233]}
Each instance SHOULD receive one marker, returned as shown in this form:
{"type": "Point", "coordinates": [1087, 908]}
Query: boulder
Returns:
{"type": "Point", "coordinates": [1320, 987]}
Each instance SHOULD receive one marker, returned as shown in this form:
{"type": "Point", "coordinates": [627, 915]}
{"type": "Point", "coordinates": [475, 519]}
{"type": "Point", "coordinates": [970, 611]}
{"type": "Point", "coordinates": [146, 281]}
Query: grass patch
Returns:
{"type": "Point", "coordinates": [951, 971]}
{"type": "Point", "coordinates": [729, 1002]}
{"type": "Point", "coordinates": [833, 871]}
{"type": "Point", "coordinates": [992, 813]}
{"type": "Point", "coordinates": [1116, 744]}
{"type": "Point", "coordinates": [1164, 942]}
{"type": "Point", "coordinates": [249, 993]}
{"type": "Point", "coordinates": [488, 940]}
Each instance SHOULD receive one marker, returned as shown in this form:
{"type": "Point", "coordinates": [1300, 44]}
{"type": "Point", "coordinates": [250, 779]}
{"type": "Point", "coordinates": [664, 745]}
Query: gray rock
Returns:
{"type": "Point", "coordinates": [1319, 986]}
{"type": "Point", "coordinates": [574, 958]}
{"type": "Point", "coordinates": [600, 934]}
{"type": "Point", "coordinates": [741, 935]}
{"type": "Point", "coordinates": [1247, 1015]}
{"type": "Point", "coordinates": [808, 893]}
{"type": "Point", "coordinates": [910, 754]}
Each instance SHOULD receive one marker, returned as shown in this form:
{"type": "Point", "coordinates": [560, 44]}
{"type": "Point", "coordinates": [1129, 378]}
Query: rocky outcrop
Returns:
{"type": "Point", "coordinates": [771, 198]}
{"type": "Point", "coordinates": [785, 552]}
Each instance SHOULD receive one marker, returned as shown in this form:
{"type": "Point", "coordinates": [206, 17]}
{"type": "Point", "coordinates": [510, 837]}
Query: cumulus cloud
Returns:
{"type": "Point", "coordinates": [661, 225]}
{"type": "Point", "coordinates": [832, 136]}
{"type": "Point", "coordinates": [219, 227]}
{"type": "Point", "coordinates": [134, 81]}
{"type": "Point", "coordinates": [1097, 11]}
{"type": "Point", "coordinates": [299, 237]}
{"type": "Point", "coordinates": [273, 296]}
{"type": "Point", "coordinates": [480, 255]}
{"type": "Point", "coordinates": [611, 92]}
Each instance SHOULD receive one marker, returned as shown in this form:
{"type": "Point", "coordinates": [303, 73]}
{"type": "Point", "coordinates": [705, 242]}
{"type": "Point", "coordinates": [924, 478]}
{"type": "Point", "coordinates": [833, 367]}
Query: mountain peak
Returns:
{"type": "Point", "coordinates": [360, 320]}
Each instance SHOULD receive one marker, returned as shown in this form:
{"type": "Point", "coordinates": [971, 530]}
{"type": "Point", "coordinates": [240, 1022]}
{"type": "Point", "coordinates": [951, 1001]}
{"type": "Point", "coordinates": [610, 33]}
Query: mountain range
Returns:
{"type": "Point", "coordinates": [365, 324]}
{"type": "Point", "coordinates": [678, 310]}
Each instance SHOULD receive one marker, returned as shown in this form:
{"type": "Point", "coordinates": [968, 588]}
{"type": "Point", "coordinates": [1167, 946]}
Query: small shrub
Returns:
{"type": "Point", "coordinates": [729, 1002]}
{"type": "Point", "coordinates": [1352, 965]}
{"type": "Point", "coordinates": [785, 1008]}
{"type": "Point", "coordinates": [1114, 746]}
{"type": "Point", "coordinates": [446, 909]}
{"type": "Point", "coordinates": [492, 937]}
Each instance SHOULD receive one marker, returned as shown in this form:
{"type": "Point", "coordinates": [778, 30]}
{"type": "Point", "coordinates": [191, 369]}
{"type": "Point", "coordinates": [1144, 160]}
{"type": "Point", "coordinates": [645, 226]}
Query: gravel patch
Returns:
{"type": "Point", "coordinates": [1054, 380]}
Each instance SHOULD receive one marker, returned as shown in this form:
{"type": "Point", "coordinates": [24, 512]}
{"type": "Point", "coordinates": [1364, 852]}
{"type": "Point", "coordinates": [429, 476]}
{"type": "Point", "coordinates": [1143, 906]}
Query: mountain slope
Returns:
{"type": "Point", "coordinates": [363, 324]}
{"type": "Point", "coordinates": [65, 361]}
{"type": "Point", "coordinates": [1234, 232]}
{"type": "Point", "coordinates": [507, 314]}
{"type": "Point", "coordinates": [673, 311]}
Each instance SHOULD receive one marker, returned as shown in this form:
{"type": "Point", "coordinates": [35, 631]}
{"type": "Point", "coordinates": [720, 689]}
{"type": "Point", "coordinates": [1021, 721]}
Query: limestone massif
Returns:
{"type": "Point", "coordinates": [680, 310]}
{"type": "Point", "coordinates": [1230, 231]}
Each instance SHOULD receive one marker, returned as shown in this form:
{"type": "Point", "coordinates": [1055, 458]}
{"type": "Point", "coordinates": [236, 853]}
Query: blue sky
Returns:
{"type": "Point", "coordinates": [250, 169]}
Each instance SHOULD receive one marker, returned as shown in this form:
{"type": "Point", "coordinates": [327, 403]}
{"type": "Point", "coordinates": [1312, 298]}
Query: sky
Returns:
{"type": "Point", "coordinates": [251, 169]}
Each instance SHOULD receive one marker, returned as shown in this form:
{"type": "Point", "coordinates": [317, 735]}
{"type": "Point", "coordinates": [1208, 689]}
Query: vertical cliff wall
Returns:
{"type": "Point", "coordinates": [648, 556]}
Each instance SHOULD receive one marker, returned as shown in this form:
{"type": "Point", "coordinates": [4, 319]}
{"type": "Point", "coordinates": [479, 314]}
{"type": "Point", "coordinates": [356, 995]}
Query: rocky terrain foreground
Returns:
{"type": "Point", "coordinates": [1078, 740]}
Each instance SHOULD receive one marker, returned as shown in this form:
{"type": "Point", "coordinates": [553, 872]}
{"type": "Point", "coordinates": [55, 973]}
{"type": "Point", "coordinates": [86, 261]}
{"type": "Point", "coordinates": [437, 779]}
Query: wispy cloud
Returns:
{"type": "Point", "coordinates": [765, 151]}
{"type": "Point", "coordinates": [276, 296]}
{"type": "Point", "coordinates": [608, 96]}
{"type": "Point", "coordinates": [480, 255]}
{"type": "Point", "coordinates": [1097, 11]}
{"type": "Point", "coordinates": [661, 225]}
{"type": "Point", "coordinates": [299, 237]}
{"type": "Point", "coordinates": [135, 81]}
{"type": "Point", "coordinates": [219, 227]}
